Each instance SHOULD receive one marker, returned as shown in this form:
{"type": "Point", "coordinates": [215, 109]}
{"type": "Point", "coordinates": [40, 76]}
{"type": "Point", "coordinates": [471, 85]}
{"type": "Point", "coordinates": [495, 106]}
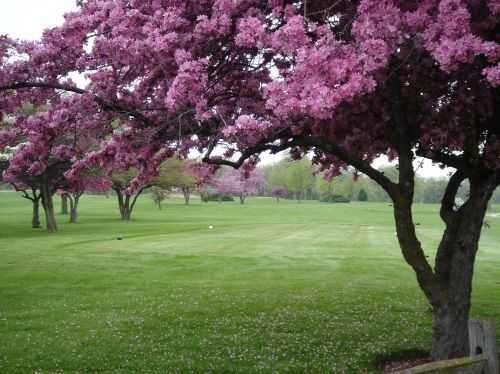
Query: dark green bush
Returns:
{"type": "Point", "coordinates": [331, 198]}
{"type": "Point", "coordinates": [362, 195]}
{"type": "Point", "coordinates": [216, 196]}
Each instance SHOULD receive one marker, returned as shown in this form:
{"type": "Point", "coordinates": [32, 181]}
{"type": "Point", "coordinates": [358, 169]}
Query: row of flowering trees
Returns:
{"type": "Point", "coordinates": [345, 80]}
{"type": "Point", "coordinates": [39, 186]}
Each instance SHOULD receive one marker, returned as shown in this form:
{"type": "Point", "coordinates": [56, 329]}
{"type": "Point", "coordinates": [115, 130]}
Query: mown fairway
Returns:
{"type": "Point", "coordinates": [285, 288]}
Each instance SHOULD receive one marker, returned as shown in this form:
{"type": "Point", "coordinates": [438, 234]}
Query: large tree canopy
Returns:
{"type": "Point", "coordinates": [346, 80]}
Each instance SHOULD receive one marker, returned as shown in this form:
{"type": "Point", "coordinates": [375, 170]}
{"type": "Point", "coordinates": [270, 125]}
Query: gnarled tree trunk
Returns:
{"type": "Point", "coordinates": [448, 287]}
{"type": "Point", "coordinates": [454, 270]}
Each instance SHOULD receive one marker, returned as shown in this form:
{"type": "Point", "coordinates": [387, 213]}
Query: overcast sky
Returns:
{"type": "Point", "coordinates": [27, 19]}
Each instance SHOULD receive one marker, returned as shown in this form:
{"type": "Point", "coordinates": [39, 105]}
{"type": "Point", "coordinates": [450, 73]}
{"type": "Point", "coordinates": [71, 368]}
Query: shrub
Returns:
{"type": "Point", "coordinates": [216, 196]}
{"type": "Point", "coordinates": [331, 198]}
{"type": "Point", "coordinates": [362, 195]}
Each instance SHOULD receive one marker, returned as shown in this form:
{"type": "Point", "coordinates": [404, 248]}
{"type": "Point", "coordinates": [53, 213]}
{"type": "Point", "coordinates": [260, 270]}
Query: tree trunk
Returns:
{"type": "Point", "coordinates": [242, 199]}
{"type": "Point", "coordinates": [73, 215]}
{"type": "Point", "coordinates": [35, 221]}
{"type": "Point", "coordinates": [126, 213]}
{"type": "Point", "coordinates": [125, 204]}
{"type": "Point", "coordinates": [448, 286]}
{"type": "Point", "coordinates": [64, 204]}
{"type": "Point", "coordinates": [454, 273]}
{"type": "Point", "coordinates": [187, 194]}
{"type": "Point", "coordinates": [73, 205]}
{"type": "Point", "coordinates": [48, 207]}
{"type": "Point", "coordinates": [450, 336]}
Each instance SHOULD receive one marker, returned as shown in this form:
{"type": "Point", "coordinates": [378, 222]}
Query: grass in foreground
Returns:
{"type": "Point", "coordinates": [272, 287]}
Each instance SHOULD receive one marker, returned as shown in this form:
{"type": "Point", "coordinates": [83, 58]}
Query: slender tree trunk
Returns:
{"type": "Point", "coordinates": [48, 207]}
{"type": "Point", "coordinates": [73, 215]}
{"type": "Point", "coordinates": [187, 194]}
{"type": "Point", "coordinates": [73, 205]}
{"type": "Point", "coordinates": [124, 205]}
{"type": "Point", "coordinates": [64, 204]}
{"type": "Point", "coordinates": [242, 198]}
{"type": "Point", "coordinates": [126, 214]}
{"type": "Point", "coordinates": [35, 221]}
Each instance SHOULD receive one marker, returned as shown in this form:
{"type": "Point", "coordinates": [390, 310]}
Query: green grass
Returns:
{"type": "Point", "coordinates": [272, 288]}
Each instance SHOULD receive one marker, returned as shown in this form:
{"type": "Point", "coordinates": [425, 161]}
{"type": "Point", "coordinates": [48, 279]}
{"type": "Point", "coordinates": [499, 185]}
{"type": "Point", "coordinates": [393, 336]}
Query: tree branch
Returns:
{"type": "Point", "coordinates": [106, 106]}
{"type": "Point", "coordinates": [449, 160]}
{"type": "Point", "coordinates": [448, 202]}
{"type": "Point", "coordinates": [25, 194]}
{"type": "Point", "coordinates": [331, 148]}
{"type": "Point", "coordinates": [136, 196]}
{"type": "Point", "coordinates": [356, 161]}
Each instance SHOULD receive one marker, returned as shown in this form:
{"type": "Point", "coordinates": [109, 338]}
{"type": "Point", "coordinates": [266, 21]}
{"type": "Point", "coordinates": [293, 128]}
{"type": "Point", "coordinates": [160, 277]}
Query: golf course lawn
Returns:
{"type": "Point", "coordinates": [271, 288]}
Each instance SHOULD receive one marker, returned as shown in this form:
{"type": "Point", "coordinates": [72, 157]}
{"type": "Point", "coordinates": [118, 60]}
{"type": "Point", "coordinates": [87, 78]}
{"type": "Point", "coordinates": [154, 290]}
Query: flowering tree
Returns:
{"type": "Point", "coordinates": [241, 183]}
{"type": "Point", "coordinates": [121, 183]}
{"type": "Point", "coordinates": [28, 187]}
{"type": "Point", "coordinates": [279, 192]}
{"type": "Point", "coordinates": [346, 80]}
{"type": "Point", "coordinates": [203, 176]}
{"type": "Point", "coordinates": [47, 143]}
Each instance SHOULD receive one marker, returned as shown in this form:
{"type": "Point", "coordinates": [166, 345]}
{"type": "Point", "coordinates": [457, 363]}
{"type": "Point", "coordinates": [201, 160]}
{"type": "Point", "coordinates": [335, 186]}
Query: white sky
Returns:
{"type": "Point", "coordinates": [26, 19]}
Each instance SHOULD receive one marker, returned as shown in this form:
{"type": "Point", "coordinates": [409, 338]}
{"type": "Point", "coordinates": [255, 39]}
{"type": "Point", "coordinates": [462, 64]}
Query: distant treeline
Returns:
{"type": "Point", "coordinates": [303, 183]}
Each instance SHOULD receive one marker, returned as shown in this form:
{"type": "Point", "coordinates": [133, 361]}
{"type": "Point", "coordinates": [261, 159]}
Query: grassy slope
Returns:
{"type": "Point", "coordinates": [286, 288]}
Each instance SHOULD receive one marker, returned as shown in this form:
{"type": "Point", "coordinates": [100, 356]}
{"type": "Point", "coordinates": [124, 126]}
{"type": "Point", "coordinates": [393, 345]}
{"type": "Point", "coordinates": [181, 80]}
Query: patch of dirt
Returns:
{"type": "Point", "coordinates": [400, 360]}
{"type": "Point", "coordinates": [392, 367]}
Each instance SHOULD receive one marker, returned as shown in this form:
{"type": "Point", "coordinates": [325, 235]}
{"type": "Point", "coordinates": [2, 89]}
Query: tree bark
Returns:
{"type": "Point", "coordinates": [448, 287]}
{"type": "Point", "coordinates": [35, 220]}
{"type": "Point", "coordinates": [73, 206]}
{"type": "Point", "coordinates": [242, 199]}
{"type": "Point", "coordinates": [454, 270]}
{"type": "Point", "coordinates": [48, 207]}
{"type": "Point", "coordinates": [64, 204]}
{"type": "Point", "coordinates": [186, 191]}
{"type": "Point", "coordinates": [126, 203]}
